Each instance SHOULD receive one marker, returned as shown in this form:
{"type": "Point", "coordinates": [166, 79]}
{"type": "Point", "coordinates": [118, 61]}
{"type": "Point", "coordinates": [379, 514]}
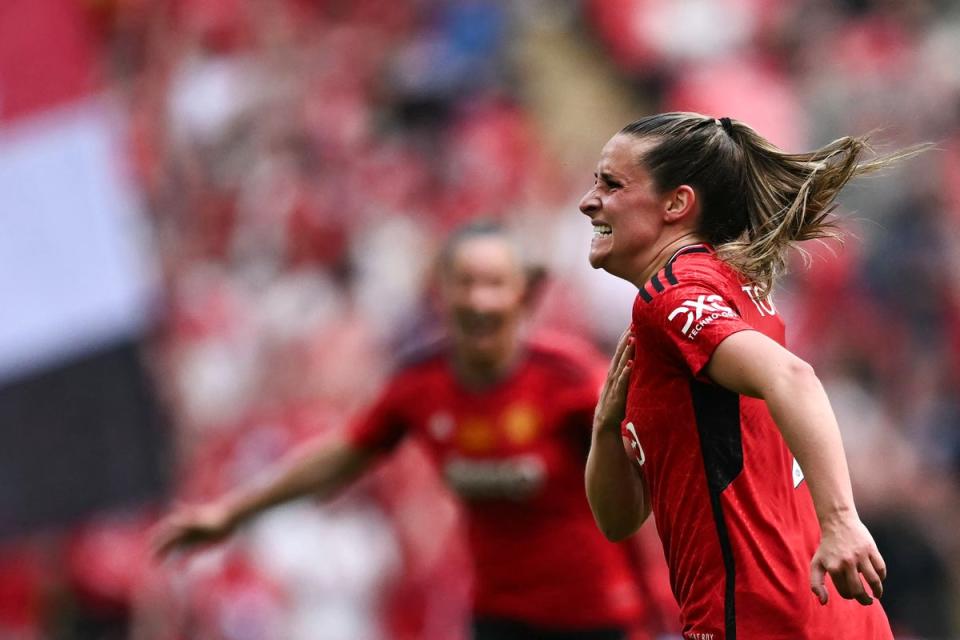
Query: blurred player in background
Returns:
{"type": "Point", "coordinates": [507, 421]}
{"type": "Point", "coordinates": [704, 409]}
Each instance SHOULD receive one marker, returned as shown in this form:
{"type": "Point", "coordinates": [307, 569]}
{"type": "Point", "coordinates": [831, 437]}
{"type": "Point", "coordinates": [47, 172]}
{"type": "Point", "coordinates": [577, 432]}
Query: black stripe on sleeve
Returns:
{"type": "Point", "coordinates": [644, 294]}
{"type": "Point", "coordinates": [655, 281]}
{"type": "Point", "coordinates": [668, 272]}
{"type": "Point", "coordinates": [717, 412]}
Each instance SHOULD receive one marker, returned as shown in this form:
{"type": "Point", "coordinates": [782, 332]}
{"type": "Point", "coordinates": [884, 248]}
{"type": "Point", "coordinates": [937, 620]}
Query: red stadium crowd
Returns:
{"type": "Point", "coordinates": [301, 161]}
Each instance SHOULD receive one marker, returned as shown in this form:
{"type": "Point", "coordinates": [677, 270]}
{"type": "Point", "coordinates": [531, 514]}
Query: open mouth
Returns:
{"type": "Point", "coordinates": [478, 326]}
{"type": "Point", "coordinates": [601, 230]}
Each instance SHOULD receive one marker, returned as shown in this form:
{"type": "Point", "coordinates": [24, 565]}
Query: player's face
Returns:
{"type": "Point", "coordinates": [625, 209]}
{"type": "Point", "coordinates": [483, 292]}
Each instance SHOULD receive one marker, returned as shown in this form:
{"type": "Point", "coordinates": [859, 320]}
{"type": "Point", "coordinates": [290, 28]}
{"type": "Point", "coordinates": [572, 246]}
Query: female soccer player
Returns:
{"type": "Point", "coordinates": [705, 419]}
{"type": "Point", "coordinates": [507, 421]}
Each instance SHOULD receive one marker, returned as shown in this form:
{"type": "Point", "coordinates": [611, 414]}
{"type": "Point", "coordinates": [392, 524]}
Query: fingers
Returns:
{"type": "Point", "coordinates": [627, 355]}
{"type": "Point", "coordinates": [623, 354]}
{"type": "Point", "coordinates": [164, 540]}
{"type": "Point", "coordinates": [848, 584]}
{"type": "Point", "coordinates": [846, 579]}
{"type": "Point", "coordinates": [870, 574]}
{"type": "Point", "coordinates": [621, 345]}
{"type": "Point", "coordinates": [817, 581]}
{"type": "Point", "coordinates": [621, 369]}
{"type": "Point", "coordinates": [178, 530]}
{"type": "Point", "coordinates": [612, 401]}
{"type": "Point", "coordinates": [878, 564]}
{"type": "Point", "coordinates": [846, 552]}
{"type": "Point", "coordinates": [622, 381]}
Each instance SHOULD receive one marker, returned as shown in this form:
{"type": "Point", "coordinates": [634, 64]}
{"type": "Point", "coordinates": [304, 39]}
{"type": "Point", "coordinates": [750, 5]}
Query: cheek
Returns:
{"type": "Point", "coordinates": [456, 308]}
{"type": "Point", "coordinates": [640, 222]}
{"type": "Point", "coordinates": [452, 305]}
{"type": "Point", "coordinates": [510, 305]}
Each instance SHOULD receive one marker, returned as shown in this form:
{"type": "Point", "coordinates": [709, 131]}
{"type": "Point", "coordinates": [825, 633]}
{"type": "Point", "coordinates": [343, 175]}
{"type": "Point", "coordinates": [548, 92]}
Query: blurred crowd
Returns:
{"type": "Point", "coordinates": [300, 162]}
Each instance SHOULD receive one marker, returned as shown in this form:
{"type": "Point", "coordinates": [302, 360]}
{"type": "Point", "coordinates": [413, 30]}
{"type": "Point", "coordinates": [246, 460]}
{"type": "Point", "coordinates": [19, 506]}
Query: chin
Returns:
{"type": "Point", "coordinates": [476, 348]}
{"type": "Point", "coordinates": [602, 261]}
{"type": "Point", "coordinates": [614, 271]}
{"type": "Point", "coordinates": [480, 358]}
{"type": "Point", "coordinates": [597, 261]}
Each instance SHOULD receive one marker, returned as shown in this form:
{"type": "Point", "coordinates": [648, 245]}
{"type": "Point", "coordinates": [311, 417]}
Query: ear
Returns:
{"type": "Point", "coordinates": [681, 204]}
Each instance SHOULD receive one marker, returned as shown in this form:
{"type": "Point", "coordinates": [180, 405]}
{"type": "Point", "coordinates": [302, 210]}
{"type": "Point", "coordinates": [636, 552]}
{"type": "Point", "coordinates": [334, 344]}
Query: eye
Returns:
{"type": "Point", "coordinates": [608, 182]}
{"type": "Point", "coordinates": [607, 179]}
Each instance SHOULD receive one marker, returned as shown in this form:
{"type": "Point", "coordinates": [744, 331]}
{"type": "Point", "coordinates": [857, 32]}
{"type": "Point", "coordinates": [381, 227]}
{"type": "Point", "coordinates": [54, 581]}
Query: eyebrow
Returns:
{"type": "Point", "coordinates": [608, 177]}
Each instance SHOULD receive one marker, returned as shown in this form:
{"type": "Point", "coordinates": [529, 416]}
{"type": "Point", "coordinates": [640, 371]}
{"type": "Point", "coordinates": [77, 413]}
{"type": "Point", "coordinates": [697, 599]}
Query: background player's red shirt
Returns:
{"type": "Point", "coordinates": [515, 453]}
{"type": "Point", "coordinates": [733, 512]}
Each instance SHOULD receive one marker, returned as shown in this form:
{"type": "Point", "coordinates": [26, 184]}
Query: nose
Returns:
{"type": "Point", "coordinates": [481, 299]}
{"type": "Point", "coordinates": [590, 203]}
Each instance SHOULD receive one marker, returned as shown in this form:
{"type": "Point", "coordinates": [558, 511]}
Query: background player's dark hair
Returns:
{"type": "Point", "coordinates": [534, 274]}
{"type": "Point", "coordinates": [756, 200]}
{"type": "Point", "coordinates": [475, 229]}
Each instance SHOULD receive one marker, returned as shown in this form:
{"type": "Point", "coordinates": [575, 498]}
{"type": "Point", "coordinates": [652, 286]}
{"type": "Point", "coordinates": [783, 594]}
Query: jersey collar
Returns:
{"type": "Point", "coordinates": [699, 247]}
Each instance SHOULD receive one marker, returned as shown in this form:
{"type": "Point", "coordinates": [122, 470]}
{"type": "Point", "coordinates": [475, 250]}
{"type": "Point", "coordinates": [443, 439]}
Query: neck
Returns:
{"type": "Point", "coordinates": [663, 254]}
{"type": "Point", "coordinates": [480, 373]}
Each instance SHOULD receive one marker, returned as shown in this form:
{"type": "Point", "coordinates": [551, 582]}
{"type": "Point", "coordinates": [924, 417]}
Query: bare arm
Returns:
{"type": "Point", "coordinates": [752, 364]}
{"type": "Point", "coordinates": [616, 492]}
{"type": "Point", "coordinates": [319, 469]}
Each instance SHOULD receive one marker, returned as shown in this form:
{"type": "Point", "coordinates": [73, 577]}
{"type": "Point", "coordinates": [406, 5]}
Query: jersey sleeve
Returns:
{"type": "Point", "coordinates": [382, 426]}
{"type": "Point", "coordinates": [690, 320]}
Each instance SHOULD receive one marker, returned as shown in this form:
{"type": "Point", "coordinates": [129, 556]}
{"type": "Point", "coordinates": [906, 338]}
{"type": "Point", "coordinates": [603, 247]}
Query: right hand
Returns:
{"type": "Point", "coordinates": [612, 405]}
{"type": "Point", "coordinates": [192, 525]}
{"type": "Point", "coordinates": [847, 552]}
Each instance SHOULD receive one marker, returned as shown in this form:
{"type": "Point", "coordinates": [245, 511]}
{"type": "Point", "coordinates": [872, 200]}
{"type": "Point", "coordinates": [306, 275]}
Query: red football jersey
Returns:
{"type": "Point", "coordinates": [735, 517]}
{"type": "Point", "coordinates": [515, 452]}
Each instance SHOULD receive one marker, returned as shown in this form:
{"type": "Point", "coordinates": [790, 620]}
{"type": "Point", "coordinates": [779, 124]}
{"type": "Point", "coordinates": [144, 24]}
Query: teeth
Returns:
{"type": "Point", "coordinates": [601, 230]}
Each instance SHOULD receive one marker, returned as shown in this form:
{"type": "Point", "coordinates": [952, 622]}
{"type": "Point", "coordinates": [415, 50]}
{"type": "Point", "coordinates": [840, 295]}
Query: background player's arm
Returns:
{"type": "Point", "coordinates": [617, 494]}
{"type": "Point", "coordinates": [752, 364]}
{"type": "Point", "coordinates": [320, 468]}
